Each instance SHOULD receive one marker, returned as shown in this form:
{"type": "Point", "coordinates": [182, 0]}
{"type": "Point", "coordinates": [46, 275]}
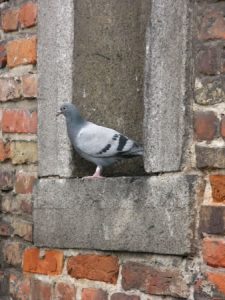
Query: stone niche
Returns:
{"type": "Point", "coordinates": [124, 64]}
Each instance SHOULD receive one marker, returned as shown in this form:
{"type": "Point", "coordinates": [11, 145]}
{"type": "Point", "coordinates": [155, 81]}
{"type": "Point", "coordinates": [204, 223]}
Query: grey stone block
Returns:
{"type": "Point", "coordinates": [141, 214]}
{"type": "Point", "coordinates": [208, 156]}
{"type": "Point", "coordinates": [165, 85]}
{"type": "Point", "coordinates": [55, 69]}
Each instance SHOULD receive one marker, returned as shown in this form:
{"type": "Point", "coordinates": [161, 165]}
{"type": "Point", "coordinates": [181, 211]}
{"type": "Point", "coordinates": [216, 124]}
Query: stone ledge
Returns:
{"type": "Point", "coordinates": [141, 214]}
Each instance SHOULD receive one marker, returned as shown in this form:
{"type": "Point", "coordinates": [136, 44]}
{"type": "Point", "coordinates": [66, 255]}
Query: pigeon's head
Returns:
{"type": "Point", "coordinates": [70, 112]}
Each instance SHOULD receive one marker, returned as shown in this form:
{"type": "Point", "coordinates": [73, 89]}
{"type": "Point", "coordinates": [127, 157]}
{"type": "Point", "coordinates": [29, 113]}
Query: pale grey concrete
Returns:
{"type": "Point", "coordinates": [165, 85]}
{"type": "Point", "coordinates": [146, 214]}
{"type": "Point", "coordinates": [55, 69]}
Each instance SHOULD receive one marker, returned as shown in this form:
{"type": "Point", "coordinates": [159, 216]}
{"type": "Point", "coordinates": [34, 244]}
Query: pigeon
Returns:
{"type": "Point", "coordinates": [100, 145]}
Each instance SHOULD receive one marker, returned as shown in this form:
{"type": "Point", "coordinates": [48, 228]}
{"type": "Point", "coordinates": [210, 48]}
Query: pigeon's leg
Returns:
{"type": "Point", "coordinates": [96, 175]}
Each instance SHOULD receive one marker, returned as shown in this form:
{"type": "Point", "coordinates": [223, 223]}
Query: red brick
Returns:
{"type": "Point", "coordinates": [94, 294]}
{"type": "Point", "coordinates": [3, 59]}
{"type": "Point", "coordinates": [24, 183]}
{"type": "Point", "coordinates": [9, 89]}
{"type": "Point", "coordinates": [12, 253]}
{"type": "Point", "coordinates": [218, 280]}
{"type": "Point", "coordinates": [214, 252]}
{"type": "Point", "coordinates": [153, 281]}
{"type": "Point", "coordinates": [205, 125]}
{"type": "Point", "coordinates": [121, 296]}
{"type": "Point", "coordinates": [94, 267]}
{"type": "Point", "coordinates": [4, 151]}
{"type": "Point", "coordinates": [50, 264]}
{"type": "Point", "coordinates": [65, 291]}
{"type": "Point", "coordinates": [22, 52]}
{"type": "Point", "coordinates": [19, 121]}
{"type": "Point", "coordinates": [222, 127]}
{"type": "Point", "coordinates": [28, 15]}
{"type": "Point", "coordinates": [218, 187]}
{"type": "Point", "coordinates": [19, 286]}
{"type": "Point", "coordinates": [6, 180]}
{"type": "Point", "coordinates": [29, 86]}
{"type": "Point", "coordinates": [5, 229]}
{"type": "Point", "coordinates": [41, 290]}
{"type": "Point", "coordinates": [10, 20]}
{"type": "Point", "coordinates": [212, 26]}
{"type": "Point", "coordinates": [207, 61]}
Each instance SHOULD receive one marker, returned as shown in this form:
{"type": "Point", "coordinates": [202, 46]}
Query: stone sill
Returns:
{"type": "Point", "coordinates": [137, 214]}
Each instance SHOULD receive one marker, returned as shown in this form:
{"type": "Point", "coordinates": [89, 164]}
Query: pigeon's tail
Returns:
{"type": "Point", "coordinates": [136, 150]}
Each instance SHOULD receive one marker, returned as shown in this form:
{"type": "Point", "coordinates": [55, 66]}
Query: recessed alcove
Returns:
{"type": "Point", "coordinates": [109, 58]}
{"type": "Point", "coordinates": [124, 213]}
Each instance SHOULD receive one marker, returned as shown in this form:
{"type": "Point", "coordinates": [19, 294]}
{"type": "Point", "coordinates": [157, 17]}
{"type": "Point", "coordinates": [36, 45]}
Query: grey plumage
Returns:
{"type": "Point", "coordinates": [101, 145]}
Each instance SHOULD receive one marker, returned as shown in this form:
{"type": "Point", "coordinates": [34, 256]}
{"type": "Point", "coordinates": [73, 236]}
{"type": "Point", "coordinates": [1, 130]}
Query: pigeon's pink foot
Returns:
{"type": "Point", "coordinates": [96, 175]}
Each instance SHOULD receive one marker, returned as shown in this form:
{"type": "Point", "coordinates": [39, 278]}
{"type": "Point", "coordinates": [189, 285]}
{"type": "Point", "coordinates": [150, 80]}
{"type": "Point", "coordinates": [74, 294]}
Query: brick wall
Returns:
{"type": "Point", "coordinates": [42, 274]}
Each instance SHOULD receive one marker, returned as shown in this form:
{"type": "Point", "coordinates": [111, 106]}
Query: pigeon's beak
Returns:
{"type": "Point", "coordinates": [58, 113]}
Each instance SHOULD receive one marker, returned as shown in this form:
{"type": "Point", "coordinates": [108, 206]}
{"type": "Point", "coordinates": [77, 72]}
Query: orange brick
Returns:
{"type": "Point", "coordinates": [19, 121]}
{"type": "Point", "coordinates": [222, 127]}
{"type": "Point", "coordinates": [28, 15]}
{"type": "Point", "coordinates": [94, 267]}
{"type": "Point", "coordinates": [218, 280]}
{"type": "Point", "coordinates": [4, 151]}
{"type": "Point", "coordinates": [218, 187]}
{"type": "Point", "coordinates": [94, 294]}
{"type": "Point", "coordinates": [50, 264]}
{"type": "Point", "coordinates": [29, 86]}
{"type": "Point", "coordinates": [24, 183]}
{"type": "Point", "coordinates": [214, 252]}
{"type": "Point", "coordinates": [22, 52]}
{"type": "Point", "coordinates": [10, 20]}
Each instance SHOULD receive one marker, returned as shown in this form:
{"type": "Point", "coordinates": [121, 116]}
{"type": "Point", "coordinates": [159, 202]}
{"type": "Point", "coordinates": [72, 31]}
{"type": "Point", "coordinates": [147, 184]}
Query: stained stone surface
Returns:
{"type": "Point", "coordinates": [141, 214]}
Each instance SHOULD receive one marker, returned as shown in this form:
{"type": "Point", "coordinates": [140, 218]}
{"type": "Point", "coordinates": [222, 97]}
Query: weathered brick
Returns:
{"type": "Point", "coordinates": [214, 252]}
{"type": "Point", "coordinates": [209, 90]}
{"type": "Point", "coordinates": [153, 281]}
{"type": "Point", "coordinates": [208, 61]}
{"type": "Point", "coordinates": [16, 205]}
{"type": "Point", "coordinates": [50, 264]}
{"type": "Point", "coordinates": [41, 290]}
{"type": "Point", "coordinates": [5, 229]}
{"type": "Point", "coordinates": [6, 180]}
{"type": "Point", "coordinates": [205, 125]}
{"type": "Point", "coordinates": [12, 253]}
{"type": "Point", "coordinates": [23, 152]}
{"type": "Point", "coordinates": [94, 294]}
{"type": "Point", "coordinates": [10, 18]}
{"type": "Point", "coordinates": [24, 183]}
{"type": "Point", "coordinates": [222, 127]}
{"type": "Point", "coordinates": [212, 25]}
{"type": "Point", "coordinates": [218, 187]}
{"type": "Point", "coordinates": [121, 296]}
{"type": "Point", "coordinates": [210, 156]}
{"type": "Point", "coordinates": [22, 52]}
{"type": "Point", "coordinates": [218, 280]}
{"type": "Point", "coordinates": [4, 151]}
{"type": "Point", "coordinates": [28, 15]}
{"type": "Point", "coordinates": [65, 291]}
{"type": "Point", "coordinates": [19, 286]}
{"type": "Point", "coordinates": [9, 89]}
{"type": "Point", "coordinates": [29, 86]}
{"type": "Point", "coordinates": [3, 58]}
{"type": "Point", "coordinates": [212, 219]}
{"type": "Point", "coordinates": [94, 267]}
{"type": "Point", "coordinates": [19, 121]}
{"type": "Point", "coordinates": [4, 283]}
{"type": "Point", "coordinates": [23, 229]}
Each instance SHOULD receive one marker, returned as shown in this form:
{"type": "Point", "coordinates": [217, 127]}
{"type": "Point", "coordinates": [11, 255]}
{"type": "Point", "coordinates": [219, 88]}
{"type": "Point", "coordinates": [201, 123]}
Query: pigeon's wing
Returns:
{"type": "Point", "coordinates": [98, 141]}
